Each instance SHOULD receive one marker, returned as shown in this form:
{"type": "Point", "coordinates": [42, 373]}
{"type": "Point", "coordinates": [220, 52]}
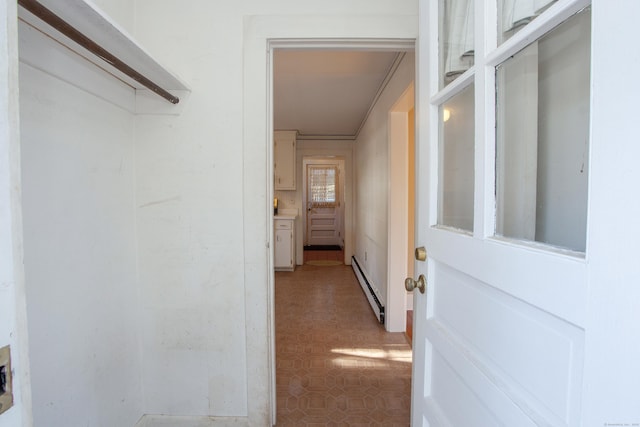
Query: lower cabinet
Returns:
{"type": "Point", "coordinates": [284, 251]}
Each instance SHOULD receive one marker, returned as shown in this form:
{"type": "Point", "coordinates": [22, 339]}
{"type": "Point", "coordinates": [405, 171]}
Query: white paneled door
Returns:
{"type": "Point", "coordinates": [322, 225]}
{"type": "Point", "coordinates": [499, 335]}
{"type": "Point", "coordinates": [323, 197]}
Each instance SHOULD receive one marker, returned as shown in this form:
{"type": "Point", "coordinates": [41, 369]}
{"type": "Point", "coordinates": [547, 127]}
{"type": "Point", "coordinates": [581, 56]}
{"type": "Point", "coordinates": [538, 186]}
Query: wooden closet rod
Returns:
{"type": "Point", "coordinates": [65, 28]}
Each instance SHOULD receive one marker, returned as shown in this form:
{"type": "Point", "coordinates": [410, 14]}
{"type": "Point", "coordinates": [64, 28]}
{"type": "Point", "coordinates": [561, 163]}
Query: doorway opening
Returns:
{"type": "Point", "coordinates": [323, 201]}
{"type": "Point", "coordinates": [313, 153]}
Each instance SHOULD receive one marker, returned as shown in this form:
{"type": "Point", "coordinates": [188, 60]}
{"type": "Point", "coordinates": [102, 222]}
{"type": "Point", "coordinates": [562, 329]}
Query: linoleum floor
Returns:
{"type": "Point", "coordinates": [335, 363]}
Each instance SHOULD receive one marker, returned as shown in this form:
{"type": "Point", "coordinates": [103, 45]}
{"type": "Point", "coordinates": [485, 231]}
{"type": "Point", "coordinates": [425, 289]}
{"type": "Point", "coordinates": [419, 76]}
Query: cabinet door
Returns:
{"type": "Point", "coordinates": [283, 249]}
{"type": "Point", "coordinates": [284, 156]}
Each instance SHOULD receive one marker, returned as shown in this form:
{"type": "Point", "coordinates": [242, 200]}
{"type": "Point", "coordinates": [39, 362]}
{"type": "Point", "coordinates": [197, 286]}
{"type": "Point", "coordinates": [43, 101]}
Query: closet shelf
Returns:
{"type": "Point", "coordinates": [100, 30]}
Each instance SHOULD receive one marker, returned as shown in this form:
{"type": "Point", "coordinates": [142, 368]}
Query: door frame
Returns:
{"type": "Point", "coordinates": [381, 44]}
{"type": "Point", "coordinates": [398, 205]}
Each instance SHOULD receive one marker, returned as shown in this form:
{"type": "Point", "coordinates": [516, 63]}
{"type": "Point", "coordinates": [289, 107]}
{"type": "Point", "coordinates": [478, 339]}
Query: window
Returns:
{"type": "Point", "coordinates": [457, 116]}
{"type": "Point", "coordinates": [528, 120]}
{"type": "Point", "coordinates": [457, 39]}
{"type": "Point", "coordinates": [542, 140]}
{"type": "Point", "coordinates": [513, 15]}
{"type": "Point", "coordinates": [456, 161]}
{"type": "Point", "coordinates": [322, 182]}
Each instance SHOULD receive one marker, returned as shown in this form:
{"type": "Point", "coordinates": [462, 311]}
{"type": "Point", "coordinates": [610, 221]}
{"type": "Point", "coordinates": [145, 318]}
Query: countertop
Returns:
{"type": "Point", "coordinates": [286, 214]}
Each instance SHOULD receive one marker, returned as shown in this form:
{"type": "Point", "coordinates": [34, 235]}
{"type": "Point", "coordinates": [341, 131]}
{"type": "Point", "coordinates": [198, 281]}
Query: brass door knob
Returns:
{"type": "Point", "coordinates": [421, 284]}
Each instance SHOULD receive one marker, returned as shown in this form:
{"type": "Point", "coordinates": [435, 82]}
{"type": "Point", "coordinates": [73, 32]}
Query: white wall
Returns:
{"type": "Point", "coordinates": [79, 244]}
{"type": "Point", "coordinates": [13, 324]}
{"type": "Point", "coordinates": [204, 198]}
{"type": "Point", "coordinates": [372, 180]}
{"type": "Point", "coordinates": [120, 11]}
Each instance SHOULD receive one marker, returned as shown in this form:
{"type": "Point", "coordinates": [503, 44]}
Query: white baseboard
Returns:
{"type": "Point", "coordinates": [175, 421]}
{"type": "Point", "coordinates": [372, 296]}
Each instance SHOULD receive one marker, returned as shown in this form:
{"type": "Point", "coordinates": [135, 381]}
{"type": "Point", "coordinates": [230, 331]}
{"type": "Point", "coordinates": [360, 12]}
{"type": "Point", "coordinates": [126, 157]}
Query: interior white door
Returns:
{"type": "Point", "coordinates": [322, 225]}
{"type": "Point", "coordinates": [499, 334]}
{"type": "Point", "coordinates": [324, 202]}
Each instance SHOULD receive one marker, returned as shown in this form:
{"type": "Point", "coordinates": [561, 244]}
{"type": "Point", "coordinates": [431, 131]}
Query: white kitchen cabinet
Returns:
{"type": "Point", "coordinates": [284, 159]}
{"type": "Point", "coordinates": [285, 247]}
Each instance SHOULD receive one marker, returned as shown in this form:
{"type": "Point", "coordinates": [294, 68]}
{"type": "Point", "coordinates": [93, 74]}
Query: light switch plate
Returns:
{"type": "Point", "coordinates": [6, 393]}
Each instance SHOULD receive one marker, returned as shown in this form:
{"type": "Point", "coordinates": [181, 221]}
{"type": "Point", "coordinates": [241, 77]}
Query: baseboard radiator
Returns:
{"type": "Point", "coordinates": [374, 301]}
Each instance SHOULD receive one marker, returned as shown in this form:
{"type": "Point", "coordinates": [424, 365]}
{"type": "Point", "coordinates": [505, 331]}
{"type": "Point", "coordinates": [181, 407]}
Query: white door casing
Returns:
{"type": "Point", "coordinates": [499, 336]}
{"type": "Point", "coordinates": [400, 202]}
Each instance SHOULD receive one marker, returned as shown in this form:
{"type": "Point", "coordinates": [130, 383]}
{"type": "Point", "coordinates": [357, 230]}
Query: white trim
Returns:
{"type": "Point", "coordinates": [377, 45]}
{"type": "Point", "coordinates": [13, 312]}
{"type": "Point", "coordinates": [397, 208]}
{"type": "Point", "coordinates": [552, 17]}
{"type": "Point", "coordinates": [187, 421]}
{"type": "Point", "coordinates": [454, 88]}
{"type": "Point", "coordinates": [484, 132]}
{"type": "Point", "coordinates": [270, 242]}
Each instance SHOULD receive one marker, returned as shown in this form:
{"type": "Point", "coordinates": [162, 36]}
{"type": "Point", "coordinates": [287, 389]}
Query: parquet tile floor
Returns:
{"type": "Point", "coordinates": [335, 364]}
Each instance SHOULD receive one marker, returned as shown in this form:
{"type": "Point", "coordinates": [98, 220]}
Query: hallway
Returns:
{"type": "Point", "coordinates": [336, 365]}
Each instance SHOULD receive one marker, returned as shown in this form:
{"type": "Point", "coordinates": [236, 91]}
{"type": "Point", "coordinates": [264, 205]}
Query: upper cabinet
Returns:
{"type": "Point", "coordinates": [284, 158]}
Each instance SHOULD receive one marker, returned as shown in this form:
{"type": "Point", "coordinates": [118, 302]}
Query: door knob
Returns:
{"type": "Point", "coordinates": [421, 284]}
{"type": "Point", "coordinates": [421, 253]}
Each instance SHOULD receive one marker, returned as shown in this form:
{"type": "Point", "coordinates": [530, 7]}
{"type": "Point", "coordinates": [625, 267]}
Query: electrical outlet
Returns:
{"type": "Point", "coordinates": [6, 394]}
{"type": "Point", "coordinates": [3, 379]}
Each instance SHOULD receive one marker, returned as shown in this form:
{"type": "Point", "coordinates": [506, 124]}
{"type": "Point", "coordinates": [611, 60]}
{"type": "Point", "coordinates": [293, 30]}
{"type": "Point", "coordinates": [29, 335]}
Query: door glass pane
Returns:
{"type": "Point", "coordinates": [322, 182]}
{"type": "Point", "coordinates": [513, 15]}
{"type": "Point", "coordinates": [456, 152]}
{"type": "Point", "coordinates": [456, 39]}
{"type": "Point", "coordinates": [542, 141]}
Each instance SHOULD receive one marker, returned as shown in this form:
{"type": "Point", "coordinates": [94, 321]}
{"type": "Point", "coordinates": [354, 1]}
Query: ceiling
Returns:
{"type": "Point", "coordinates": [327, 94]}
